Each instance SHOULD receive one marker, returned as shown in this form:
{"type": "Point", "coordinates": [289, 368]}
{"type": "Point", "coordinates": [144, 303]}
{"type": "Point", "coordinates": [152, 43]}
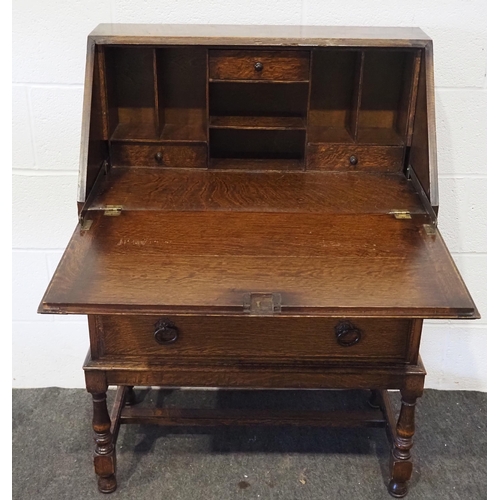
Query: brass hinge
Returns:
{"type": "Point", "coordinates": [86, 224]}
{"type": "Point", "coordinates": [113, 210]}
{"type": "Point", "coordinates": [430, 229]}
{"type": "Point", "coordinates": [401, 214]}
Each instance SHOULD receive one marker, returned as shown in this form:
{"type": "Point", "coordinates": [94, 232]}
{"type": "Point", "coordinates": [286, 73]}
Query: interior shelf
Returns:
{"type": "Point", "coordinates": [361, 96]}
{"type": "Point", "coordinates": [260, 82]}
{"type": "Point", "coordinates": [255, 164]}
{"type": "Point", "coordinates": [383, 136]}
{"type": "Point", "coordinates": [250, 191]}
{"type": "Point", "coordinates": [257, 148]}
{"type": "Point", "coordinates": [147, 132]}
{"type": "Point", "coordinates": [317, 134]}
{"type": "Point", "coordinates": [323, 134]}
{"type": "Point", "coordinates": [259, 122]}
{"type": "Point", "coordinates": [186, 125]}
{"type": "Point", "coordinates": [352, 97]}
{"type": "Point", "coordinates": [135, 132]}
{"type": "Point", "coordinates": [157, 94]}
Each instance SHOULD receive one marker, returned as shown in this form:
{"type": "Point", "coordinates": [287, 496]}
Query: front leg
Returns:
{"type": "Point", "coordinates": [401, 464]}
{"type": "Point", "coordinates": [104, 454]}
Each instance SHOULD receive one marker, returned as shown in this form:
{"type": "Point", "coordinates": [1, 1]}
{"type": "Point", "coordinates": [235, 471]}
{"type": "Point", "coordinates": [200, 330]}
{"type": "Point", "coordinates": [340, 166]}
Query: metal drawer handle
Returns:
{"type": "Point", "coordinates": [165, 332]}
{"type": "Point", "coordinates": [347, 334]}
{"type": "Point", "coordinates": [353, 160]}
{"type": "Point", "coordinates": [159, 156]}
{"type": "Point", "coordinates": [258, 66]}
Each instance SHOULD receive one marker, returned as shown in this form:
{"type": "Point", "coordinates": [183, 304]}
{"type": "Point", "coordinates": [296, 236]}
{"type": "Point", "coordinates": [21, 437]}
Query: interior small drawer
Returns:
{"type": "Point", "coordinates": [354, 157]}
{"type": "Point", "coordinates": [277, 65]}
{"type": "Point", "coordinates": [159, 155]}
{"type": "Point", "coordinates": [258, 339]}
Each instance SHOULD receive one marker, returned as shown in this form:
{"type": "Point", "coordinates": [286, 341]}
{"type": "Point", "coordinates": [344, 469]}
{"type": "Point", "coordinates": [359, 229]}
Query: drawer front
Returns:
{"type": "Point", "coordinates": [352, 157]}
{"type": "Point", "coordinates": [159, 155]}
{"type": "Point", "coordinates": [255, 338]}
{"type": "Point", "coordinates": [277, 65]}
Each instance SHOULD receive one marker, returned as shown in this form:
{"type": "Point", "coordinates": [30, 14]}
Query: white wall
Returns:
{"type": "Point", "coordinates": [49, 41]}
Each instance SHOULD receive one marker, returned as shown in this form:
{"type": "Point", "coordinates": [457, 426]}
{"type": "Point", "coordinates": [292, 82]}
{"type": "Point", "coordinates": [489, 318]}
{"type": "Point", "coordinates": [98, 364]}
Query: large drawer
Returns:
{"type": "Point", "coordinates": [250, 338]}
{"type": "Point", "coordinates": [275, 65]}
{"type": "Point", "coordinates": [159, 155]}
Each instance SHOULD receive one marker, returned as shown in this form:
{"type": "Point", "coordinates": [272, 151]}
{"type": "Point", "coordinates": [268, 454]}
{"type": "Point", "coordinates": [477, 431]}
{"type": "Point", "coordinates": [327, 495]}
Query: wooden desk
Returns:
{"type": "Point", "coordinates": [261, 215]}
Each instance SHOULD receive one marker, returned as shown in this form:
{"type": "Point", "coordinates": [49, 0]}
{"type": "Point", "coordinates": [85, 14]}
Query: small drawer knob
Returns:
{"type": "Point", "coordinates": [353, 160]}
{"type": "Point", "coordinates": [258, 66]}
{"type": "Point", "coordinates": [347, 334]}
{"type": "Point", "coordinates": [165, 332]}
{"type": "Point", "coordinates": [159, 156]}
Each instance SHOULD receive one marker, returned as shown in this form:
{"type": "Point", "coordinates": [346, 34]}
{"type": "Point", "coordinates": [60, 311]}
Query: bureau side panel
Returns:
{"type": "Point", "coordinates": [423, 153]}
{"type": "Point", "coordinates": [93, 147]}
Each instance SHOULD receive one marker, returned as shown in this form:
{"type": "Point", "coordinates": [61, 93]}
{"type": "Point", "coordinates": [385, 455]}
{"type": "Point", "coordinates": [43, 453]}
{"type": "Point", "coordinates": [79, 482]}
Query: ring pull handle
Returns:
{"type": "Point", "coordinates": [165, 332]}
{"type": "Point", "coordinates": [347, 334]}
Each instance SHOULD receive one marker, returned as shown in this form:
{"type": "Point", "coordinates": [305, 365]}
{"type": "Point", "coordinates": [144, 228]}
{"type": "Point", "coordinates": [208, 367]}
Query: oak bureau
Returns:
{"type": "Point", "coordinates": [257, 209]}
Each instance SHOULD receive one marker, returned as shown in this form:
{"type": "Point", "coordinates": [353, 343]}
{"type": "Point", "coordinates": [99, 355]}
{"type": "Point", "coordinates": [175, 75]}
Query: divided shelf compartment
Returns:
{"type": "Point", "coordinates": [286, 108]}
{"type": "Point", "coordinates": [157, 106]}
{"type": "Point", "coordinates": [361, 107]}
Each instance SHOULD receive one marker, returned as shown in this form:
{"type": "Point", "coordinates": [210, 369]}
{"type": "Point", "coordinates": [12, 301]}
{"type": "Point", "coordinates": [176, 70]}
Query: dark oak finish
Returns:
{"type": "Point", "coordinates": [205, 262]}
{"type": "Point", "coordinates": [159, 155]}
{"type": "Point", "coordinates": [257, 209]}
{"type": "Point", "coordinates": [210, 418]}
{"type": "Point", "coordinates": [245, 191]}
{"type": "Point", "coordinates": [292, 375]}
{"type": "Point", "coordinates": [259, 35]}
{"type": "Point", "coordinates": [181, 93]}
{"type": "Point", "coordinates": [259, 65]}
{"type": "Point", "coordinates": [255, 339]}
{"type": "Point", "coordinates": [340, 157]}
{"type": "Point", "coordinates": [104, 454]}
{"type": "Point", "coordinates": [258, 122]}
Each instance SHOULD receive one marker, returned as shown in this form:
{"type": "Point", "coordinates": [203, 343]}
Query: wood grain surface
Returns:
{"type": "Point", "coordinates": [258, 122]}
{"type": "Point", "coordinates": [271, 339]}
{"type": "Point", "coordinates": [293, 375]}
{"type": "Point", "coordinates": [337, 157]}
{"type": "Point", "coordinates": [277, 261]}
{"type": "Point", "coordinates": [229, 417]}
{"type": "Point", "coordinates": [277, 191]}
{"type": "Point", "coordinates": [182, 154]}
{"type": "Point", "coordinates": [244, 35]}
{"type": "Point", "coordinates": [199, 262]}
{"type": "Point", "coordinates": [276, 65]}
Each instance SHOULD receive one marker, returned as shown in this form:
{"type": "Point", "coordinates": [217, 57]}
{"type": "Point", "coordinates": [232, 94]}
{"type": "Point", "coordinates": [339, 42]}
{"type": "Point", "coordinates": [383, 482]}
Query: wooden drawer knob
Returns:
{"type": "Point", "coordinates": [258, 66]}
{"type": "Point", "coordinates": [165, 332]}
{"type": "Point", "coordinates": [347, 334]}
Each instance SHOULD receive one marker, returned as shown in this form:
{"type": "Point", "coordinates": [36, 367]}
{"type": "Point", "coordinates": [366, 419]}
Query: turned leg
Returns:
{"type": "Point", "coordinates": [130, 396]}
{"type": "Point", "coordinates": [401, 465]}
{"type": "Point", "coordinates": [104, 454]}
